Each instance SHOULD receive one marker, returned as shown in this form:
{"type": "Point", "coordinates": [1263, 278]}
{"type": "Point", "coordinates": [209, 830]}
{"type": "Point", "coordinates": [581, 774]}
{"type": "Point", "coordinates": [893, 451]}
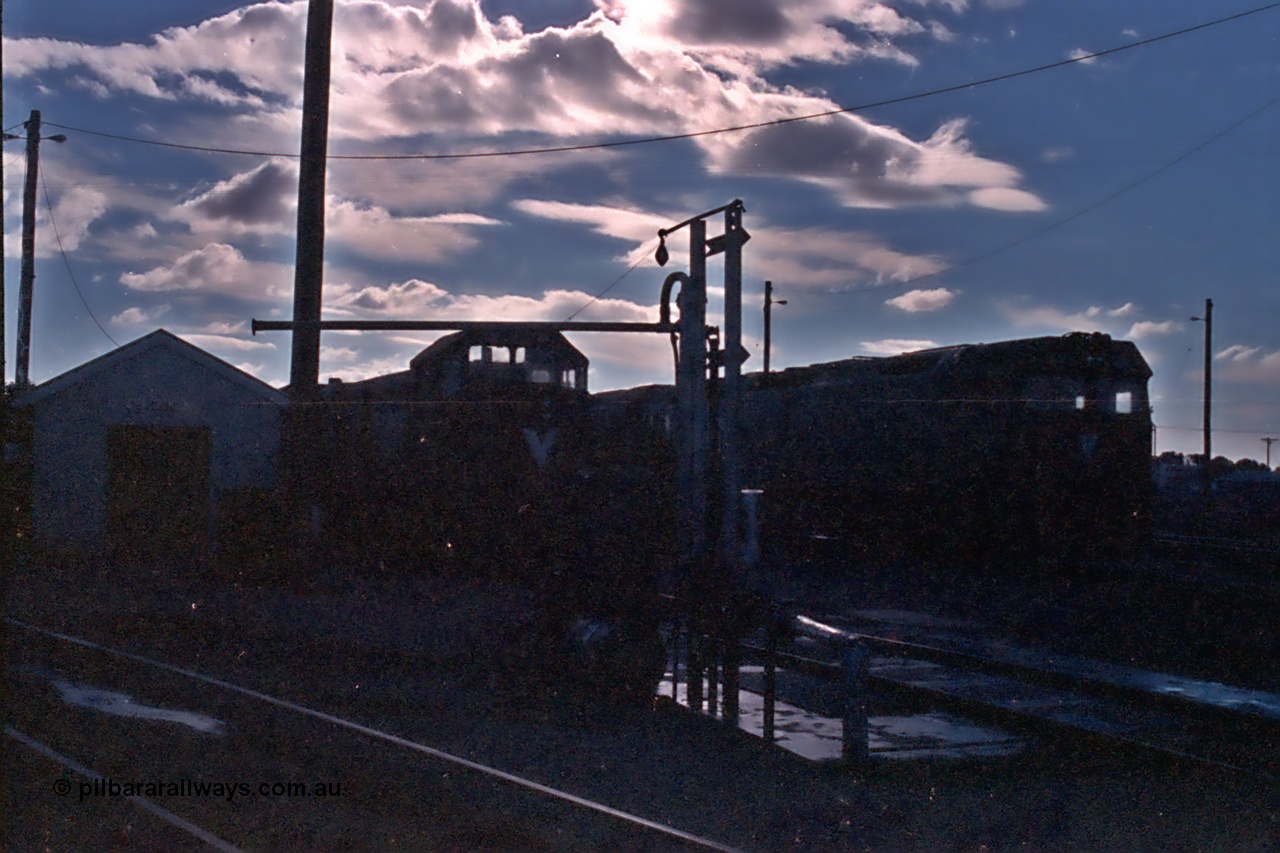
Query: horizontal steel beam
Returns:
{"type": "Point", "coordinates": [460, 325]}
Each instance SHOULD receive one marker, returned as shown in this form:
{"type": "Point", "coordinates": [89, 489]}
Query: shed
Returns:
{"type": "Point", "coordinates": [138, 452]}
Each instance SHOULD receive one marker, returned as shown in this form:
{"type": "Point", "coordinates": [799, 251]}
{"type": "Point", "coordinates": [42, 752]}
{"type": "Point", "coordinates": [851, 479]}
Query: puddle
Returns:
{"type": "Point", "coordinates": [123, 705]}
{"type": "Point", "coordinates": [820, 738]}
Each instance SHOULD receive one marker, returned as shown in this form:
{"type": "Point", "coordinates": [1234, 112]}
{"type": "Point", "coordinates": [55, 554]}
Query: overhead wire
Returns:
{"type": "Point", "coordinates": [644, 253]}
{"type": "Point", "coordinates": [618, 143]}
{"type": "Point", "coordinates": [66, 261]}
{"type": "Point", "coordinates": [1132, 185]}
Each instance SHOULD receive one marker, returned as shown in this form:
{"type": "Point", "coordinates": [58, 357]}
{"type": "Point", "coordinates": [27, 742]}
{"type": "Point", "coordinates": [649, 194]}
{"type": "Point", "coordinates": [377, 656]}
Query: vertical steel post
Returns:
{"type": "Point", "coordinates": [732, 662]}
{"type": "Point", "coordinates": [26, 285]}
{"type": "Point", "coordinates": [693, 667]}
{"type": "Point", "coordinates": [691, 392]}
{"type": "Point", "coordinates": [770, 677]}
{"type": "Point", "coordinates": [731, 389]}
{"type": "Point", "coordinates": [308, 279]}
{"type": "Point", "coordinates": [768, 321]}
{"type": "Point", "coordinates": [1208, 391]}
{"type": "Point", "coordinates": [855, 660]}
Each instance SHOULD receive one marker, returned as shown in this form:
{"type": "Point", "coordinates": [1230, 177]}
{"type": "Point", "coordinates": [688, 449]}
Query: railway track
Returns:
{"type": "Point", "coordinates": [1055, 696]}
{"type": "Point", "coordinates": [232, 767]}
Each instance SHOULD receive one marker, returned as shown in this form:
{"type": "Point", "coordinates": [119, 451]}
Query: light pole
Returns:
{"type": "Point", "coordinates": [22, 356]}
{"type": "Point", "coordinates": [769, 302]}
{"type": "Point", "coordinates": [1268, 442]}
{"type": "Point", "coordinates": [1208, 387]}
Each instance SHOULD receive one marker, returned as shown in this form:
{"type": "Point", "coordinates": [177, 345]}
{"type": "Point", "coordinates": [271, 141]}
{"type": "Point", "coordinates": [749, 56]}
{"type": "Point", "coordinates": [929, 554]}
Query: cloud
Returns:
{"type": "Point", "coordinates": [916, 301]}
{"type": "Point", "coordinates": [631, 355]}
{"type": "Point", "coordinates": [1246, 365]}
{"type": "Point", "coordinates": [754, 35]}
{"type": "Point", "coordinates": [409, 298]}
{"type": "Point", "coordinates": [1079, 53]}
{"type": "Point", "coordinates": [867, 165]}
{"type": "Point", "coordinates": [338, 354]}
{"type": "Point", "coordinates": [135, 316]}
{"type": "Point", "coordinates": [803, 257]}
{"type": "Point", "coordinates": [1092, 319]}
{"type": "Point", "coordinates": [1237, 352]}
{"type": "Point", "coordinates": [1147, 328]}
{"type": "Point", "coordinates": [1006, 198]}
{"type": "Point", "coordinates": [225, 342]}
{"type": "Point", "coordinates": [74, 211]}
{"type": "Point", "coordinates": [412, 77]}
{"type": "Point", "coordinates": [374, 232]}
{"type": "Point", "coordinates": [263, 199]}
{"type": "Point", "coordinates": [219, 269]}
{"type": "Point", "coordinates": [894, 346]}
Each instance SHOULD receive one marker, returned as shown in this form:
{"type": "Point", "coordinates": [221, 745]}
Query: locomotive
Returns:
{"type": "Point", "coordinates": [980, 455]}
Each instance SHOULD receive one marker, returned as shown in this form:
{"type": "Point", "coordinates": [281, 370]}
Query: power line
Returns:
{"type": "Point", "coordinates": [644, 254]}
{"type": "Point", "coordinates": [1078, 213]}
{"type": "Point", "coordinates": [48, 204]}
{"type": "Point", "coordinates": [711, 132]}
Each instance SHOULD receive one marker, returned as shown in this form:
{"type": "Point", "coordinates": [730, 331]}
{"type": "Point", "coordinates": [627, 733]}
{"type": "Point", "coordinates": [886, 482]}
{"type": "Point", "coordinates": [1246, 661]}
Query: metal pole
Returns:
{"type": "Point", "coordinates": [308, 280]}
{"type": "Point", "coordinates": [731, 391]}
{"type": "Point", "coordinates": [691, 387]}
{"type": "Point", "coordinates": [729, 698]}
{"type": "Point", "coordinates": [770, 678]}
{"type": "Point", "coordinates": [1268, 442]}
{"type": "Point", "coordinates": [854, 739]}
{"type": "Point", "coordinates": [768, 322]}
{"type": "Point", "coordinates": [1208, 391]}
{"type": "Point", "coordinates": [22, 356]}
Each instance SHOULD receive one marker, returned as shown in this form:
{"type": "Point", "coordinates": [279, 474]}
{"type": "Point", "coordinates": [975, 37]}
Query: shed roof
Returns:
{"type": "Point", "coordinates": [160, 339]}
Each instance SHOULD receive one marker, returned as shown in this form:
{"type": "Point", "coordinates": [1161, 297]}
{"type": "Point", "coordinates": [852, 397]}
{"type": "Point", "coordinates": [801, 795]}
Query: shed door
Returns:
{"type": "Point", "coordinates": [157, 493]}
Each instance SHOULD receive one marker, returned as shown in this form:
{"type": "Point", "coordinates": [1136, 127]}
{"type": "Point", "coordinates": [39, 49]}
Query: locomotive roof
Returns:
{"type": "Point", "coordinates": [549, 341]}
{"type": "Point", "coordinates": [1078, 354]}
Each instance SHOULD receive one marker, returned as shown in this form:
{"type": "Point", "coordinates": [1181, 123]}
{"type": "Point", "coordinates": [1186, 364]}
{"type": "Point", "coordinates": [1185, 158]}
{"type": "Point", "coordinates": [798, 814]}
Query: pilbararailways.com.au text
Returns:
{"type": "Point", "coordinates": [228, 791]}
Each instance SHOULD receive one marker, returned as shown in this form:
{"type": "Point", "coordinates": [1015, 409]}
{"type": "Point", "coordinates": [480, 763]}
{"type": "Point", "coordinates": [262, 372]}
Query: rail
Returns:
{"type": "Point", "coordinates": [1245, 714]}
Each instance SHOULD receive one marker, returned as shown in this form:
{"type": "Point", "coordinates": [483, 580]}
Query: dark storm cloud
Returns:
{"type": "Point", "coordinates": [259, 197]}
{"type": "Point", "coordinates": [855, 159]}
{"type": "Point", "coordinates": [730, 21]}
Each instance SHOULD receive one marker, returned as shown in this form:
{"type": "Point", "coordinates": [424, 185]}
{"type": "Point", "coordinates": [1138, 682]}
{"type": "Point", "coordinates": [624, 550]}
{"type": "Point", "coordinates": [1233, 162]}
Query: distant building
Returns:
{"type": "Point", "coordinates": [143, 452]}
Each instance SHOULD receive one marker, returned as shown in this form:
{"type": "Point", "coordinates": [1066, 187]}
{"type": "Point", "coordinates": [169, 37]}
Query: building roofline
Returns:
{"type": "Point", "coordinates": [160, 338]}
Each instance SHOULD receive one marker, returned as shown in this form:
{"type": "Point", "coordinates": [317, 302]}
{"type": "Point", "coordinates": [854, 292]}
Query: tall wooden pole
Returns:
{"type": "Point", "coordinates": [308, 279]}
{"type": "Point", "coordinates": [26, 285]}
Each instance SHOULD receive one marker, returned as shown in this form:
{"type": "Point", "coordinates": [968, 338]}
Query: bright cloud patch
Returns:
{"type": "Point", "coordinates": [1147, 328]}
{"type": "Point", "coordinates": [216, 269]}
{"type": "Point", "coordinates": [917, 301]}
{"type": "Point", "coordinates": [371, 231]}
{"type": "Point", "coordinates": [225, 342]}
{"type": "Point", "coordinates": [445, 70]}
{"type": "Point", "coordinates": [814, 257]}
{"type": "Point", "coordinates": [894, 346]}
{"type": "Point", "coordinates": [1238, 352]}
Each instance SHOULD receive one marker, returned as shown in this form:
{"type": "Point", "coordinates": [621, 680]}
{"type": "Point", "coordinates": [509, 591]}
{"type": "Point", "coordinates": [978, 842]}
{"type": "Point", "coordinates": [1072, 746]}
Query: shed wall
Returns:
{"type": "Point", "coordinates": [159, 387]}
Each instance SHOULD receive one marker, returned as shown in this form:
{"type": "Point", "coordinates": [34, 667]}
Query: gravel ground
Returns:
{"type": "Point", "coordinates": [448, 661]}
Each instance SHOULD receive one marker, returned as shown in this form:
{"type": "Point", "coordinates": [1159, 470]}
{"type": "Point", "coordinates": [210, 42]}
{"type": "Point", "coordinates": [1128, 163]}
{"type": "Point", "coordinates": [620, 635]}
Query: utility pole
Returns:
{"type": "Point", "coordinates": [1269, 441]}
{"type": "Point", "coordinates": [22, 357]}
{"type": "Point", "coordinates": [308, 277]}
{"type": "Point", "coordinates": [1208, 389]}
{"type": "Point", "coordinates": [769, 302]}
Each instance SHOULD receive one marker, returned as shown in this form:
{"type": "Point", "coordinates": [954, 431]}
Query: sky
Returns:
{"type": "Point", "coordinates": [1113, 194]}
